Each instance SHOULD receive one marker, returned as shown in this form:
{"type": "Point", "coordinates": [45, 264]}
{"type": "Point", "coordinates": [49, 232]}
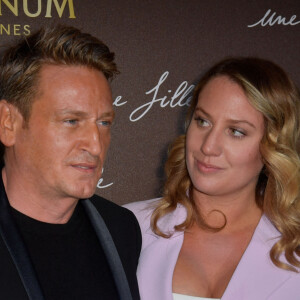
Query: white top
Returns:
{"type": "Point", "coordinates": [186, 297]}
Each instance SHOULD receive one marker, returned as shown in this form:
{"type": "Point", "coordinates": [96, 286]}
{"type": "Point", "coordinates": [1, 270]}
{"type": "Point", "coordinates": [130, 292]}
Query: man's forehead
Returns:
{"type": "Point", "coordinates": [56, 69]}
{"type": "Point", "coordinates": [77, 89]}
{"type": "Point", "coordinates": [71, 78]}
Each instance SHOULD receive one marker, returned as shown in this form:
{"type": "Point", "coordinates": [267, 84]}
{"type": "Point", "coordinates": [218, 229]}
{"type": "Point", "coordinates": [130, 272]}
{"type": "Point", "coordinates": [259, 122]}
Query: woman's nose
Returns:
{"type": "Point", "coordinates": [212, 143]}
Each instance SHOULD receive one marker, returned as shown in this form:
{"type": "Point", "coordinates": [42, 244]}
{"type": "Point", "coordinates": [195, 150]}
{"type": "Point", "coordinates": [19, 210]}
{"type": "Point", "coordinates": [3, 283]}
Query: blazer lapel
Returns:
{"type": "Point", "coordinates": [159, 256]}
{"type": "Point", "coordinates": [109, 249]}
{"type": "Point", "coordinates": [17, 248]}
{"type": "Point", "coordinates": [256, 277]}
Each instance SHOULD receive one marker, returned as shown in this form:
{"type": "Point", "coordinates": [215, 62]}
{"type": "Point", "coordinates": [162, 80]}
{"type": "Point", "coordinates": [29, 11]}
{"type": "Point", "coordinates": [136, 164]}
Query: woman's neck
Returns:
{"type": "Point", "coordinates": [238, 210]}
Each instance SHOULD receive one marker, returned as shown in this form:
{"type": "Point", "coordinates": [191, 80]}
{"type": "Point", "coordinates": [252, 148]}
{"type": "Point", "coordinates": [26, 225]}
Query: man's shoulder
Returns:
{"type": "Point", "coordinates": [110, 211]}
{"type": "Point", "coordinates": [120, 221]}
{"type": "Point", "coordinates": [125, 231]}
{"type": "Point", "coordinates": [102, 203]}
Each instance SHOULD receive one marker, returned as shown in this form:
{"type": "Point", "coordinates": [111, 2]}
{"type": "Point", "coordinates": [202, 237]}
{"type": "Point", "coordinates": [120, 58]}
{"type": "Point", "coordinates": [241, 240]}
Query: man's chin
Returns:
{"type": "Point", "coordinates": [84, 193]}
{"type": "Point", "coordinates": [79, 189]}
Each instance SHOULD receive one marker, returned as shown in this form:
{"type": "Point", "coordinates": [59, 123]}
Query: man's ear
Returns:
{"type": "Point", "coordinates": [8, 126]}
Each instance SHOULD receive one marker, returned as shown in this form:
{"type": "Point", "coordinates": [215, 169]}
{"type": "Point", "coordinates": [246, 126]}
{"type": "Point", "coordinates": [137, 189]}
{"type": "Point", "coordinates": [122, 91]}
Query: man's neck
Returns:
{"type": "Point", "coordinates": [55, 211]}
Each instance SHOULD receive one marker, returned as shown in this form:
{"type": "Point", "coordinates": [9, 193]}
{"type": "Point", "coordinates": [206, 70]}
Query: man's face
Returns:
{"type": "Point", "coordinates": [62, 149]}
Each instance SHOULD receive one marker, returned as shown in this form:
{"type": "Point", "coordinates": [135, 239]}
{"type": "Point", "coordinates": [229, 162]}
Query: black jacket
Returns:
{"type": "Point", "coordinates": [122, 226]}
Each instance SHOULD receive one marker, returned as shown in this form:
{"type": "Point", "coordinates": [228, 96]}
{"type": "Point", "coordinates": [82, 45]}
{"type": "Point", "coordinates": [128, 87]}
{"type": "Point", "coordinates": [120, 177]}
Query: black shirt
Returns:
{"type": "Point", "coordinates": [68, 258]}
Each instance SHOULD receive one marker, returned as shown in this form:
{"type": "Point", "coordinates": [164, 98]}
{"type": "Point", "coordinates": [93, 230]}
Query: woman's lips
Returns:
{"type": "Point", "coordinates": [207, 168]}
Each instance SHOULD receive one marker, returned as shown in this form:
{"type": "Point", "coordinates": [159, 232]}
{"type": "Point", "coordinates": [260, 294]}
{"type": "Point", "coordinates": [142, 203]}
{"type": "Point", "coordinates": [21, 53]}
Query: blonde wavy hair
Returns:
{"type": "Point", "coordinates": [270, 91]}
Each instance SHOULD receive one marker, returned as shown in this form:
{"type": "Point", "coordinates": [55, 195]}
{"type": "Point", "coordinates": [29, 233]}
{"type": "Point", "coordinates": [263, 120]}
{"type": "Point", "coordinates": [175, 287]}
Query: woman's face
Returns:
{"type": "Point", "coordinates": [222, 146]}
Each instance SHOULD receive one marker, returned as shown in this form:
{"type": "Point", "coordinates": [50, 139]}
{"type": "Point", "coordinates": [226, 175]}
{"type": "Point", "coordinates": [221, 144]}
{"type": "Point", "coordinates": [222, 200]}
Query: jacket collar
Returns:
{"type": "Point", "coordinates": [17, 249]}
{"type": "Point", "coordinates": [256, 277]}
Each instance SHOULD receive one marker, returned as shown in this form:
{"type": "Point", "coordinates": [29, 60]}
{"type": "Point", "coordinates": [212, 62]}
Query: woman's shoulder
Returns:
{"type": "Point", "coordinates": [142, 206]}
{"type": "Point", "coordinates": [143, 211]}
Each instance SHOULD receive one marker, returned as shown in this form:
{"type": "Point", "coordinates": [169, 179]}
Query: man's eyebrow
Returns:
{"type": "Point", "coordinates": [79, 113]}
{"type": "Point", "coordinates": [235, 121]}
{"type": "Point", "coordinates": [110, 114]}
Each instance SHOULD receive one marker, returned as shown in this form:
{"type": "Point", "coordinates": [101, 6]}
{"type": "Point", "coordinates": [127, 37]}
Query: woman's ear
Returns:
{"type": "Point", "coordinates": [8, 126]}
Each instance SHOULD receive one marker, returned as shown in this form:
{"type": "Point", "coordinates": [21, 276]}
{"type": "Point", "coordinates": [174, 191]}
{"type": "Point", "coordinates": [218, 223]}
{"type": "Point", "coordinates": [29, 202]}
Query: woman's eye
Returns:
{"type": "Point", "coordinates": [201, 122]}
{"type": "Point", "coordinates": [237, 133]}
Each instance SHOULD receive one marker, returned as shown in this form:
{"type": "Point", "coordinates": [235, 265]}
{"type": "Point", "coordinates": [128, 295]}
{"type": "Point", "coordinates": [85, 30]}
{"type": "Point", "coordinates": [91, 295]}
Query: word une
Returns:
{"type": "Point", "coordinates": [13, 6]}
{"type": "Point", "coordinates": [271, 20]}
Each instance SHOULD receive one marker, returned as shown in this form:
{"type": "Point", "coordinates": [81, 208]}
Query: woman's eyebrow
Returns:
{"type": "Point", "coordinates": [203, 111]}
{"type": "Point", "coordinates": [228, 120]}
{"type": "Point", "coordinates": [242, 121]}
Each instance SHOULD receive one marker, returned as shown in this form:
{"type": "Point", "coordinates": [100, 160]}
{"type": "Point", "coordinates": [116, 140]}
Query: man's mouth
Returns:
{"type": "Point", "coordinates": [85, 167]}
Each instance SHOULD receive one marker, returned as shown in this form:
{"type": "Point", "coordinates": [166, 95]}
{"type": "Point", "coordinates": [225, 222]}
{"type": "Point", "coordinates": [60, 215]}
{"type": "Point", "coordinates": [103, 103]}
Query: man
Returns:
{"type": "Point", "coordinates": [55, 117]}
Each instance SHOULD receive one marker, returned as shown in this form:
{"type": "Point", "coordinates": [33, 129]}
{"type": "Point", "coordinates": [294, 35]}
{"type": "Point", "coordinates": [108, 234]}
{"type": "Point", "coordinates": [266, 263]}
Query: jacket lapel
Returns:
{"type": "Point", "coordinates": [159, 256]}
{"type": "Point", "coordinates": [17, 248]}
{"type": "Point", "coordinates": [256, 277]}
{"type": "Point", "coordinates": [109, 249]}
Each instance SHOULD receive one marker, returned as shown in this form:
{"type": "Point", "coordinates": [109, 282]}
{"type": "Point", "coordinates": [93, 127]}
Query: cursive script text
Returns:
{"type": "Point", "coordinates": [179, 98]}
{"type": "Point", "coordinates": [99, 184]}
{"type": "Point", "coordinates": [271, 20]}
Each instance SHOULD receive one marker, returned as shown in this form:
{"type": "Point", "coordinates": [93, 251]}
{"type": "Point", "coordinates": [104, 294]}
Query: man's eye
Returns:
{"type": "Point", "coordinates": [71, 121]}
{"type": "Point", "coordinates": [104, 123]}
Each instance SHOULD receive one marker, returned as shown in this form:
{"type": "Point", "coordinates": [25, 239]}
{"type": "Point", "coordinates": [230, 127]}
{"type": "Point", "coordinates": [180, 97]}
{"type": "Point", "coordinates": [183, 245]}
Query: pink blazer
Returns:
{"type": "Point", "coordinates": [255, 278]}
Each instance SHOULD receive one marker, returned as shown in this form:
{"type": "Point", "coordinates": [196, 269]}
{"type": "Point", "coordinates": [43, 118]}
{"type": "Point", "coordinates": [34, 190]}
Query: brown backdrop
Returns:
{"type": "Point", "coordinates": [162, 48]}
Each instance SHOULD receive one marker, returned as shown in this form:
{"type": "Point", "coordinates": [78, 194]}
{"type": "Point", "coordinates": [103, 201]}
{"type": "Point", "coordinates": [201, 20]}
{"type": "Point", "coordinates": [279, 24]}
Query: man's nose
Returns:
{"type": "Point", "coordinates": [91, 140]}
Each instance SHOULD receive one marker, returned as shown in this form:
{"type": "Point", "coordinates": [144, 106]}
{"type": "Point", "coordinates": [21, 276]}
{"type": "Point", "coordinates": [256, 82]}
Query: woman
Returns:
{"type": "Point", "coordinates": [228, 225]}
